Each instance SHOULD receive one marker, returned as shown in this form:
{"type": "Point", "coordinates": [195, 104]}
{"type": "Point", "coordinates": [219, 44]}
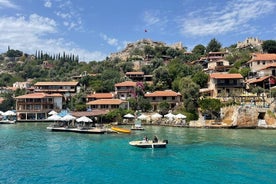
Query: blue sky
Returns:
{"type": "Point", "coordinates": [95, 29]}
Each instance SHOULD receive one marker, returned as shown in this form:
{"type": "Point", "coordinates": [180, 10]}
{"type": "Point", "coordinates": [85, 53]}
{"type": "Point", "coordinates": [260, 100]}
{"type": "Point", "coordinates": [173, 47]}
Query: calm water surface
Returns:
{"type": "Point", "coordinates": [31, 154]}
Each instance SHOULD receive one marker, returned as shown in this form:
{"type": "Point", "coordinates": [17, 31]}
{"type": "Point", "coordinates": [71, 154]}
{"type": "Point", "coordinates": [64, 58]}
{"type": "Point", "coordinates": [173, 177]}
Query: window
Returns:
{"type": "Point", "coordinates": [36, 107]}
{"type": "Point", "coordinates": [164, 98]}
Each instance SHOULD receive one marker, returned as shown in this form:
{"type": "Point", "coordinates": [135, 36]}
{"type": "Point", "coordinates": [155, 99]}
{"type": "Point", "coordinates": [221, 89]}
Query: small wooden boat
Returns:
{"type": "Point", "coordinates": [121, 130]}
{"type": "Point", "coordinates": [149, 144]}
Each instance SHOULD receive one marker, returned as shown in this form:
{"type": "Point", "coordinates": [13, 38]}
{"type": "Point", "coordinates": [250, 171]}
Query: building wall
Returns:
{"type": "Point", "coordinates": [125, 93]}
{"type": "Point", "coordinates": [257, 65]}
{"type": "Point", "coordinates": [58, 102]}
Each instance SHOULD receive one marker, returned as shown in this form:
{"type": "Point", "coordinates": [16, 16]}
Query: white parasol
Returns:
{"type": "Point", "coordinates": [180, 116]}
{"type": "Point", "coordinates": [156, 116]}
{"type": "Point", "coordinates": [52, 112]}
{"type": "Point", "coordinates": [142, 117]}
{"type": "Point", "coordinates": [68, 117]}
{"type": "Point", "coordinates": [84, 119]}
{"type": "Point", "coordinates": [169, 116]}
{"type": "Point", "coordinates": [128, 116]}
{"type": "Point", "coordinates": [54, 117]}
{"type": "Point", "coordinates": [9, 113]}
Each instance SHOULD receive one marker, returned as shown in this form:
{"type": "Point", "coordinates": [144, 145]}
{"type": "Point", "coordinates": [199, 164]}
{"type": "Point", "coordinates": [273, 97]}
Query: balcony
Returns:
{"type": "Point", "coordinates": [227, 85]}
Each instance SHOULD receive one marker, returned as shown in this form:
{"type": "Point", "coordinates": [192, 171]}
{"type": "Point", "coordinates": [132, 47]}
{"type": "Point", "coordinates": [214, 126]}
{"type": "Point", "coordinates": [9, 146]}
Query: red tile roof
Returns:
{"type": "Point", "coordinates": [100, 95]}
{"type": "Point", "coordinates": [263, 57]}
{"type": "Point", "coordinates": [56, 83]}
{"type": "Point", "coordinates": [273, 65]}
{"type": "Point", "coordinates": [134, 73]}
{"type": "Point", "coordinates": [106, 102]}
{"type": "Point", "coordinates": [38, 95]}
{"type": "Point", "coordinates": [256, 80]}
{"type": "Point", "coordinates": [162, 93]}
{"type": "Point", "coordinates": [126, 83]}
{"type": "Point", "coordinates": [226, 76]}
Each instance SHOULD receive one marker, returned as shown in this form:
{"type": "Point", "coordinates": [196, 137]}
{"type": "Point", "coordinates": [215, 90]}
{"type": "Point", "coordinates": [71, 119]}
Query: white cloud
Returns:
{"type": "Point", "coordinates": [48, 4]}
{"type": "Point", "coordinates": [114, 42]}
{"type": "Point", "coordinates": [155, 20]}
{"type": "Point", "coordinates": [151, 18]}
{"type": "Point", "coordinates": [70, 15]}
{"type": "Point", "coordinates": [110, 41]}
{"type": "Point", "coordinates": [29, 34]}
{"type": "Point", "coordinates": [7, 4]}
{"type": "Point", "coordinates": [235, 15]}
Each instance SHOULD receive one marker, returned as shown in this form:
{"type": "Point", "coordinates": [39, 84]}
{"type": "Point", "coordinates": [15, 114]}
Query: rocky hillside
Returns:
{"type": "Point", "coordinates": [136, 49]}
{"type": "Point", "coordinates": [247, 116]}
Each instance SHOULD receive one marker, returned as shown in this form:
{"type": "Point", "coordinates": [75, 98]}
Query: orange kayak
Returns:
{"type": "Point", "coordinates": [121, 130]}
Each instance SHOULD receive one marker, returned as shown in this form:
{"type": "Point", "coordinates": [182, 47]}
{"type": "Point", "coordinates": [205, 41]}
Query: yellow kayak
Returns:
{"type": "Point", "coordinates": [121, 130]}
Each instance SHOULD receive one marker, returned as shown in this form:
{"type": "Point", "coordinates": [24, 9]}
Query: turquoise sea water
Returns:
{"type": "Point", "coordinates": [31, 154]}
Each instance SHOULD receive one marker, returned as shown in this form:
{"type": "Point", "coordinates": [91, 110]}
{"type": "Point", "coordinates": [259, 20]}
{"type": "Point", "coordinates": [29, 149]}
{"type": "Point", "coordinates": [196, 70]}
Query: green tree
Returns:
{"type": "Point", "coordinates": [126, 66]}
{"type": "Point", "coordinates": [233, 70]}
{"type": "Point", "coordinates": [213, 46]}
{"type": "Point", "coordinates": [143, 104]}
{"type": "Point", "coordinates": [161, 78]}
{"type": "Point", "coordinates": [190, 94]}
{"type": "Point", "coordinates": [14, 53]}
{"type": "Point", "coordinates": [8, 103]}
{"type": "Point", "coordinates": [200, 78]}
{"type": "Point", "coordinates": [164, 107]}
{"type": "Point", "coordinates": [269, 46]}
{"type": "Point", "coordinates": [109, 78]}
{"type": "Point", "coordinates": [245, 71]}
{"type": "Point", "coordinates": [210, 106]}
{"type": "Point", "coordinates": [149, 51]}
{"type": "Point", "coordinates": [172, 52]}
{"type": "Point", "coordinates": [133, 104]}
{"type": "Point", "coordinates": [199, 50]}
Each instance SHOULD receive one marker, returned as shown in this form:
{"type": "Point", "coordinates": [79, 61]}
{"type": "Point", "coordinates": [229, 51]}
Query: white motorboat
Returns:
{"type": "Point", "coordinates": [149, 144]}
{"type": "Point", "coordinates": [7, 121]}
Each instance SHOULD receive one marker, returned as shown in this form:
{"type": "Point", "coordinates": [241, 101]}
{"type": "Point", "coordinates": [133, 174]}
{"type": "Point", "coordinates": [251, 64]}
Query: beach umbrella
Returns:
{"type": "Point", "coordinates": [180, 116]}
{"type": "Point", "coordinates": [9, 113]}
{"type": "Point", "coordinates": [52, 112]}
{"type": "Point", "coordinates": [68, 117]}
{"type": "Point", "coordinates": [129, 116]}
{"type": "Point", "coordinates": [54, 117]}
{"type": "Point", "coordinates": [156, 116]}
{"type": "Point", "coordinates": [84, 119]}
{"type": "Point", "coordinates": [169, 116]}
{"type": "Point", "coordinates": [142, 117]}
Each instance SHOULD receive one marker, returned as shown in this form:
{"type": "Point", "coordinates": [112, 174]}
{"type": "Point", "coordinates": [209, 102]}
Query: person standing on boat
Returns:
{"type": "Point", "coordinates": [155, 139]}
{"type": "Point", "coordinates": [145, 139]}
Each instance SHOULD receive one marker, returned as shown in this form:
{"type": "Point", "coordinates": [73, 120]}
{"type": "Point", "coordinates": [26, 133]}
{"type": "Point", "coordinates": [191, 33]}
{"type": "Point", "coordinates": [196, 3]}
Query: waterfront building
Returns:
{"type": "Point", "coordinates": [171, 97]}
{"type": "Point", "coordinates": [108, 104]}
{"type": "Point", "coordinates": [125, 90]}
{"type": "Point", "coordinates": [57, 87]}
{"type": "Point", "coordinates": [223, 85]}
{"type": "Point", "coordinates": [97, 96]}
{"type": "Point", "coordinates": [259, 61]}
{"type": "Point", "coordinates": [36, 106]}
